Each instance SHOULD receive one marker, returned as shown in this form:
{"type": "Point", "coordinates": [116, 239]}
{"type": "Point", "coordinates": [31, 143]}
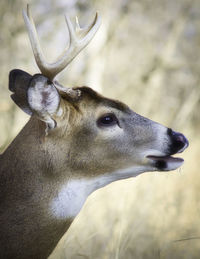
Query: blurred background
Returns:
{"type": "Point", "coordinates": [145, 54]}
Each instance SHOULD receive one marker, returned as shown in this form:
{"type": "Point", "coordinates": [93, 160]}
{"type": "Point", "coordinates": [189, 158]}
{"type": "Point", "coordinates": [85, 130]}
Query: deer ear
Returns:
{"type": "Point", "coordinates": [35, 95]}
{"type": "Point", "coordinates": [18, 84]}
{"type": "Point", "coordinates": [43, 99]}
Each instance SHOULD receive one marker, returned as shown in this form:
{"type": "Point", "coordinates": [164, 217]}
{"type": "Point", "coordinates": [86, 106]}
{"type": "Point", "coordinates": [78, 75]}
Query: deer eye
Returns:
{"type": "Point", "coordinates": [107, 120]}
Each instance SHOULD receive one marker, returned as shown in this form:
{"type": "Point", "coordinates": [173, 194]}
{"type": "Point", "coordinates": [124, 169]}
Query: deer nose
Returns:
{"type": "Point", "coordinates": [178, 142]}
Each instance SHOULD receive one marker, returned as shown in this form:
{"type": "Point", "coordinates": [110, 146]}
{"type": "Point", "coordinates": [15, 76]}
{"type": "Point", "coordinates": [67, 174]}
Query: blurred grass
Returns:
{"type": "Point", "coordinates": [147, 55]}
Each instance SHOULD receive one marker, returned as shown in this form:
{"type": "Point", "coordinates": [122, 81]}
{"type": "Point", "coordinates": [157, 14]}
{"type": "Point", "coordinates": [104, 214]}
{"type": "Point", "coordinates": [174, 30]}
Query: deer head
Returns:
{"type": "Point", "coordinates": [75, 142]}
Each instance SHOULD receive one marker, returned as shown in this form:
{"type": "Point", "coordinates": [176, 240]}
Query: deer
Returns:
{"type": "Point", "coordinates": [75, 142]}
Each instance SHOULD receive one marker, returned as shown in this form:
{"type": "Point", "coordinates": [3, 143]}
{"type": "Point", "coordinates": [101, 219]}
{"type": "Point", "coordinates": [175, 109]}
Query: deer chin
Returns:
{"type": "Point", "coordinates": [166, 163]}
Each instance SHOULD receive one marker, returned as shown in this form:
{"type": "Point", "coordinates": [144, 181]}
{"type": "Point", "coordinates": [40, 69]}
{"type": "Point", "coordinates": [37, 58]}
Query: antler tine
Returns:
{"type": "Point", "coordinates": [72, 35]}
{"type": "Point", "coordinates": [76, 45]}
{"type": "Point", "coordinates": [37, 51]}
{"type": "Point", "coordinates": [83, 31]}
{"type": "Point", "coordinates": [89, 31]}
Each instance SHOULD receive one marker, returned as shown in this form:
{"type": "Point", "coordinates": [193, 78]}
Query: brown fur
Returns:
{"type": "Point", "coordinates": [35, 166]}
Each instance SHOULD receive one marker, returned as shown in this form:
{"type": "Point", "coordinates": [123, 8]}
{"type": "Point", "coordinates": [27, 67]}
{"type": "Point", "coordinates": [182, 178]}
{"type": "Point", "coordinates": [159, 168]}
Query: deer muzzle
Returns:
{"type": "Point", "coordinates": [178, 144]}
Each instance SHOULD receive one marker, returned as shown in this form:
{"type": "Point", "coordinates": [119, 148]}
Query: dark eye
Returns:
{"type": "Point", "coordinates": [107, 120]}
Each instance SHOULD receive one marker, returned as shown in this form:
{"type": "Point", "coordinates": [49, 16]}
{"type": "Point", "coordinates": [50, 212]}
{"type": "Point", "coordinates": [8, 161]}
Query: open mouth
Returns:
{"type": "Point", "coordinates": [166, 163]}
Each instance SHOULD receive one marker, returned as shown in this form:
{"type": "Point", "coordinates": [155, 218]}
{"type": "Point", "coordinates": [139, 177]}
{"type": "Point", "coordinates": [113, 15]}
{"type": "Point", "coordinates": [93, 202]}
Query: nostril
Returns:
{"type": "Point", "coordinates": [179, 141]}
{"type": "Point", "coordinates": [178, 144]}
{"type": "Point", "coordinates": [180, 138]}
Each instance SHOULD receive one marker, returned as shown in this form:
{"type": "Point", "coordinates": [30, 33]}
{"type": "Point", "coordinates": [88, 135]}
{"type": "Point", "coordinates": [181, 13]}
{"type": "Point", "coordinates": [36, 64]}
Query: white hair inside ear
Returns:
{"type": "Point", "coordinates": [44, 100]}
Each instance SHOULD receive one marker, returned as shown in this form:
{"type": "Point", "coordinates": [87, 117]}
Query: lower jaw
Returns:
{"type": "Point", "coordinates": [166, 163]}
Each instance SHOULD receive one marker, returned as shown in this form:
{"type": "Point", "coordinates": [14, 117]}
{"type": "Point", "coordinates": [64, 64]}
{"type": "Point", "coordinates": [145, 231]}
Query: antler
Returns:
{"type": "Point", "coordinates": [76, 44]}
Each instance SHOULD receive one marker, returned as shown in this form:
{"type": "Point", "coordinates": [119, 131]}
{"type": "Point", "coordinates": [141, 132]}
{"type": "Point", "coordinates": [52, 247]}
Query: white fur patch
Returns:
{"type": "Point", "coordinates": [70, 198]}
{"type": "Point", "coordinates": [74, 193]}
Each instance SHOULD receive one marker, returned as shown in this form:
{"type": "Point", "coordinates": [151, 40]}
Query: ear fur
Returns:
{"type": "Point", "coordinates": [18, 84]}
{"type": "Point", "coordinates": [43, 99]}
{"type": "Point", "coordinates": [35, 95]}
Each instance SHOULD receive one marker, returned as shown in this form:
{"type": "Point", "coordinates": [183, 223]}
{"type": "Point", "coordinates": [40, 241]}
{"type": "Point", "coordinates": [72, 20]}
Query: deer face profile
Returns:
{"type": "Point", "coordinates": [75, 142]}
